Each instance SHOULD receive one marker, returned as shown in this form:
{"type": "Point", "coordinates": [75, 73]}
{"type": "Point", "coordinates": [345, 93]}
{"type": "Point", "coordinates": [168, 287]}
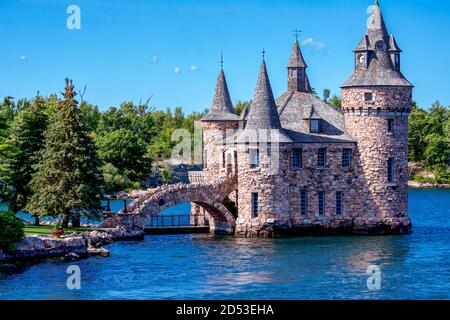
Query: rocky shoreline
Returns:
{"type": "Point", "coordinates": [69, 248]}
{"type": "Point", "coordinates": [427, 185]}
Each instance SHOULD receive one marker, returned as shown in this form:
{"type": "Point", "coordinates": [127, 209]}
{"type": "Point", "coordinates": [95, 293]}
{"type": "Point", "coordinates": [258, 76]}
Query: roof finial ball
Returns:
{"type": "Point", "coordinates": [221, 59]}
{"type": "Point", "coordinates": [264, 54]}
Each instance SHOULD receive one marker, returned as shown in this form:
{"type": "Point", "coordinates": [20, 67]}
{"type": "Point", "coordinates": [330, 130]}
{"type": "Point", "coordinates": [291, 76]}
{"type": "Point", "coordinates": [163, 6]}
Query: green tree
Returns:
{"type": "Point", "coordinates": [240, 106]}
{"type": "Point", "coordinates": [417, 133]}
{"type": "Point", "coordinates": [90, 115]}
{"type": "Point", "coordinates": [126, 151]}
{"type": "Point", "coordinates": [7, 153]}
{"type": "Point", "coordinates": [115, 181]}
{"type": "Point", "coordinates": [437, 150]}
{"type": "Point", "coordinates": [335, 102]}
{"type": "Point", "coordinates": [11, 231]}
{"type": "Point", "coordinates": [326, 95]}
{"type": "Point", "coordinates": [166, 176]}
{"type": "Point", "coordinates": [27, 137]}
{"type": "Point", "coordinates": [68, 178]}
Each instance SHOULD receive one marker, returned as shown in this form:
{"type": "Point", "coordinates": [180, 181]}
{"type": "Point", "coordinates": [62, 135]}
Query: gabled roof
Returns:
{"type": "Point", "coordinates": [222, 108]}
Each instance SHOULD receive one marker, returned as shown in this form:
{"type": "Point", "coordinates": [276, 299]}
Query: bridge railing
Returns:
{"type": "Point", "coordinates": [196, 176]}
{"type": "Point", "coordinates": [179, 220]}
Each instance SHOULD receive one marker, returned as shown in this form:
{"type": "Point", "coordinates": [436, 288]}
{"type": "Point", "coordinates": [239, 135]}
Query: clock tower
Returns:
{"type": "Point", "coordinates": [376, 102]}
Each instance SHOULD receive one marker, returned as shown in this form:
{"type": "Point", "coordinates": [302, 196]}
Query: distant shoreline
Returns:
{"type": "Point", "coordinates": [427, 185]}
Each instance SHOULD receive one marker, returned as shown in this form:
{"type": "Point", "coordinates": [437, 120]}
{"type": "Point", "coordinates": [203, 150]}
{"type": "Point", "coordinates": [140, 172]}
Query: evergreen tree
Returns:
{"type": "Point", "coordinates": [27, 136]}
{"type": "Point", "coordinates": [68, 178]}
{"type": "Point", "coordinates": [7, 152]}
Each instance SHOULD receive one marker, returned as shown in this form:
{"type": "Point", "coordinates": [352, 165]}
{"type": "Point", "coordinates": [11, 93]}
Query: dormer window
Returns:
{"type": "Point", "coordinates": [314, 125]}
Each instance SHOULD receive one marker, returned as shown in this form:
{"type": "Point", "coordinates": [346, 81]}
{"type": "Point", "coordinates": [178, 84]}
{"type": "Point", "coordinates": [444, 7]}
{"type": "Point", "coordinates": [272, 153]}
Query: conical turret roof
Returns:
{"type": "Point", "coordinates": [263, 112]}
{"type": "Point", "coordinates": [221, 108]}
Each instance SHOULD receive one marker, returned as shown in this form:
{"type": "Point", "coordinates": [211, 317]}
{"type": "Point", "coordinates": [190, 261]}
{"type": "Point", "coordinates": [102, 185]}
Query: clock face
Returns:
{"type": "Point", "coordinates": [362, 58]}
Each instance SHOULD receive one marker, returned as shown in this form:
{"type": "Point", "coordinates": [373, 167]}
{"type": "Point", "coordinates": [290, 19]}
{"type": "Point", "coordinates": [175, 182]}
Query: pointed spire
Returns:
{"type": "Point", "coordinates": [376, 26]}
{"type": "Point", "coordinates": [297, 78]}
{"type": "Point", "coordinates": [393, 46]}
{"type": "Point", "coordinates": [263, 112]}
{"type": "Point", "coordinates": [296, 60]}
{"type": "Point", "coordinates": [222, 108]}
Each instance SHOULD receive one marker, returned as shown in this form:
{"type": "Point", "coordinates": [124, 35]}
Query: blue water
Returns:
{"type": "Point", "coordinates": [416, 266]}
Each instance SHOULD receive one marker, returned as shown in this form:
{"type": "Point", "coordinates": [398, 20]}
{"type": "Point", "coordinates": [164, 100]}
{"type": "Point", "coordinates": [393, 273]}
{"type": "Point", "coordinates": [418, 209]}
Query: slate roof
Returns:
{"type": "Point", "coordinates": [381, 71]}
{"type": "Point", "coordinates": [263, 114]}
{"type": "Point", "coordinates": [296, 108]}
{"type": "Point", "coordinates": [221, 108]}
{"type": "Point", "coordinates": [296, 60]}
{"type": "Point", "coordinates": [263, 111]}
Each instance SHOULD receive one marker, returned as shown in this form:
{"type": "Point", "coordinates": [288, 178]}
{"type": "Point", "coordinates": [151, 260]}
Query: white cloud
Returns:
{"type": "Point", "coordinates": [316, 45]}
{"type": "Point", "coordinates": [23, 58]}
{"type": "Point", "coordinates": [177, 70]}
{"type": "Point", "coordinates": [193, 68]}
{"type": "Point", "coordinates": [154, 59]}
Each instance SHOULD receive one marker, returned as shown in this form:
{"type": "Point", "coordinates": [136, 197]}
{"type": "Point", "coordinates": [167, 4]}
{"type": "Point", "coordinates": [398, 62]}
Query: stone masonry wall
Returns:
{"type": "Point", "coordinates": [368, 123]}
{"type": "Point", "coordinates": [213, 162]}
{"type": "Point", "coordinates": [279, 192]}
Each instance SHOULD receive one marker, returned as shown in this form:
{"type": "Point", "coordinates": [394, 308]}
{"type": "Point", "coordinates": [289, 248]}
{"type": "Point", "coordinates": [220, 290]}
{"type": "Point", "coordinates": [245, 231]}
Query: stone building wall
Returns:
{"type": "Point", "coordinates": [368, 123]}
{"type": "Point", "coordinates": [213, 159]}
{"type": "Point", "coordinates": [279, 191]}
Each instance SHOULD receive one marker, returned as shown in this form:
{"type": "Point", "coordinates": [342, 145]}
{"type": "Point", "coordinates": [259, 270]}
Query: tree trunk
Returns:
{"type": "Point", "coordinates": [65, 221]}
{"type": "Point", "coordinates": [76, 221]}
{"type": "Point", "coordinates": [36, 220]}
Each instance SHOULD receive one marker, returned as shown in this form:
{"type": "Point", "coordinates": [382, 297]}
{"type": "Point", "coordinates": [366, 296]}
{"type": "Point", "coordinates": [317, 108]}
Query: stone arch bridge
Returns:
{"type": "Point", "coordinates": [208, 195]}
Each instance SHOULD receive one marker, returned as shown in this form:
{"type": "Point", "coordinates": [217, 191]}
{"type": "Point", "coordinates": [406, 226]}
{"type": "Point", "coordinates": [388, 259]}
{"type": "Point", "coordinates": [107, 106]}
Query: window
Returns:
{"type": "Point", "coordinates": [297, 158]}
{"type": "Point", "coordinates": [368, 97]}
{"type": "Point", "coordinates": [321, 203]}
{"type": "Point", "coordinates": [314, 125]}
{"type": "Point", "coordinates": [339, 203]}
{"type": "Point", "coordinates": [390, 125]}
{"type": "Point", "coordinates": [304, 202]}
{"type": "Point", "coordinates": [254, 158]}
{"type": "Point", "coordinates": [205, 158]}
{"type": "Point", "coordinates": [346, 158]}
{"type": "Point", "coordinates": [322, 157]}
{"type": "Point", "coordinates": [223, 159]}
{"type": "Point", "coordinates": [269, 150]}
{"type": "Point", "coordinates": [255, 201]}
{"type": "Point", "coordinates": [390, 170]}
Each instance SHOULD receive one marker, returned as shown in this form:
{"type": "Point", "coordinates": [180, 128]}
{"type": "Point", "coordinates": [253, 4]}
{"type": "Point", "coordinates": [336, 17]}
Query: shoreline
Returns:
{"type": "Point", "coordinates": [427, 185]}
{"type": "Point", "coordinates": [37, 248]}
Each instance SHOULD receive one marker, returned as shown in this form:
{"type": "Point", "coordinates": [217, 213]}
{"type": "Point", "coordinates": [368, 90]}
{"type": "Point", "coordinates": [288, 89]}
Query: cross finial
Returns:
{"type": "Point", "coordinates": [296, 33]}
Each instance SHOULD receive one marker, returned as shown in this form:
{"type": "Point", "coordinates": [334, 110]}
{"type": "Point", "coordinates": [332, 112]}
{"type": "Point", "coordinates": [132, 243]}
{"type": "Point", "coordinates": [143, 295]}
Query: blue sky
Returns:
{"type": "Point", "coordinates": [132, 49]}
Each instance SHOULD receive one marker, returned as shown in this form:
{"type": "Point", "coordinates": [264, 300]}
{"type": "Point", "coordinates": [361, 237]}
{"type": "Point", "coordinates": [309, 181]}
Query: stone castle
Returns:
{"type": "Point", "coordinates": [295, 165]}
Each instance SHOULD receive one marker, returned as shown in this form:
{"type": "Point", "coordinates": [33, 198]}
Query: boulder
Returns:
{"type": "Point", "coordinates": [98, 252]}
{"type": "Point", "coordinates": [70, 257]}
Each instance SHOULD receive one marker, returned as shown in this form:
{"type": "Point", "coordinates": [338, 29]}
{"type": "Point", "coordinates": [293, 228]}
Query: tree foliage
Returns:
{"type": "Point", "coordinates": [67, 180]}
{"type": "Point", "coordinates": [27, 137]}
{"type": "Point", "coordinates": [11, 231]}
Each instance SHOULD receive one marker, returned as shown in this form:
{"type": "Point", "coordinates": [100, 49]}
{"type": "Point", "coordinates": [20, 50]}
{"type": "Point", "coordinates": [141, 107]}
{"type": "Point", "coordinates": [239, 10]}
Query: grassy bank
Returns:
{"type": "Point", "coordinates": [47, 230]}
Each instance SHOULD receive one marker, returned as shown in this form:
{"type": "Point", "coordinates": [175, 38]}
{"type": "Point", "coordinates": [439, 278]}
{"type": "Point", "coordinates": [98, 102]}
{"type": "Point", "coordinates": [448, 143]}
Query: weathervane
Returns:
{"type": "Point", "coordinates": [296, 33]}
